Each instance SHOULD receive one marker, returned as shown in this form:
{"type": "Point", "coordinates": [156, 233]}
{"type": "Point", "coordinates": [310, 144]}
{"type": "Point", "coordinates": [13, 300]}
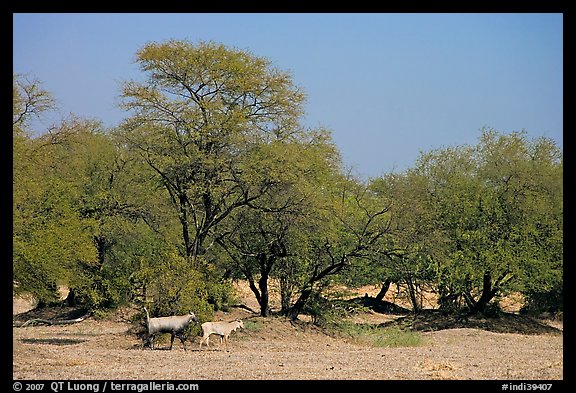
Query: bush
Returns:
{"type": "Point", "coordinates": [551, 301]}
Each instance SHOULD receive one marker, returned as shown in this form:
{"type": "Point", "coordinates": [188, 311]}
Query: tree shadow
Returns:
{"type": "Point", "coordinates": [50, 313]}
{"type": "Point", "coordinates": [434, 320]}
{"type": "Point", "coordinates": [379, 306]}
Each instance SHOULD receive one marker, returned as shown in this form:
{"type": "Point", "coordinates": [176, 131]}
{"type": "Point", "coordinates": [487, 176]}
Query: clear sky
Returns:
{"type": "Point", "coordinates": [387, 85]}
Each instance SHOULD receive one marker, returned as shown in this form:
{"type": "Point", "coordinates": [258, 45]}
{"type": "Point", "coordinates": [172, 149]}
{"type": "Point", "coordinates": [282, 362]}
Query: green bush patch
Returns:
{"type": "Point", "coordinates": [375, 336]}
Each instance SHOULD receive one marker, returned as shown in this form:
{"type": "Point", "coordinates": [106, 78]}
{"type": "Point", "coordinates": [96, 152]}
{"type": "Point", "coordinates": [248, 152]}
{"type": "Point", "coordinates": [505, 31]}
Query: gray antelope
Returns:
{"type": "Point", "coordinates": [175, 325]}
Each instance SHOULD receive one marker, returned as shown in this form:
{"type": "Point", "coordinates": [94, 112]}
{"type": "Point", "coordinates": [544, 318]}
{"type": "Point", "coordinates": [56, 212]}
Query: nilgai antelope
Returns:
{"type": "Point", "coordinates": [174, 325]}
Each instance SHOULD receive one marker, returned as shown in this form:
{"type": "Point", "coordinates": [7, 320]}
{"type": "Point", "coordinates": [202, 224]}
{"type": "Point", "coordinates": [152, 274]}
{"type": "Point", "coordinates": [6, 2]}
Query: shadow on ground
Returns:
{"type": "Point", "coordinates": [433, 320]}
{"type": "Point", "coordinates": [52, 341]}
{"type": "Point", "coordinates": [50, 313]}
{"type": "Point", "coordinates": [379, 306]}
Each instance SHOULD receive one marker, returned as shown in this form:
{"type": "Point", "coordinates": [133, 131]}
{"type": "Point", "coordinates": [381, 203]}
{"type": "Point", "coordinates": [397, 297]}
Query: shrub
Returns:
{"type": "Point", "coordinates": [375, 336]}
{"type": "Point", "coordinates": [551, 301]}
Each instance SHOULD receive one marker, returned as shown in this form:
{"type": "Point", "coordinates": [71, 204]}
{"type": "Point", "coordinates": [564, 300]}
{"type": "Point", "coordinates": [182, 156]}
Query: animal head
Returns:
{"type": "Point", "coordinates": [193, 317]}
{"type": "Point", "coordinates": [240, 324]}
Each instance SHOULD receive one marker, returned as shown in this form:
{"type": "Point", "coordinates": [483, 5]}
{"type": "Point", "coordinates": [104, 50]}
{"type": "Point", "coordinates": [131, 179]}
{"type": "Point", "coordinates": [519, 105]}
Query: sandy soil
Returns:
{"type": "Point", "coordinates": [276, 349]}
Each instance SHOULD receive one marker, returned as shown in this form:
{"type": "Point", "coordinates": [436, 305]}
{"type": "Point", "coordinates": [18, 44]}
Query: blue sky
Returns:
{"type": "Point", "coordinates": [387, 85]}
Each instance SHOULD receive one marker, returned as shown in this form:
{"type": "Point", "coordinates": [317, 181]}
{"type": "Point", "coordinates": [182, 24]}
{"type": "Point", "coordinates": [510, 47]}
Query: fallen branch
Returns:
{"type": "Point", "coordinates": [245, 307]}
{"type": "Point", "coordinates": [36, 321]}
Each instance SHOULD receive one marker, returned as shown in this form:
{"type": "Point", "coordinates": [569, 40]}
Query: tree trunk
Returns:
{"type": "Point", "coordinates": [264, 296]}
{"type": "Point", "coordinates": [71, 300]}
{"type": "Point", "coordinates": [488, 293]}
{"type": "Point", "coordinates": [412, 292]}
{"type": "Point", "coordinates": [183, 217]}
{"type": "Point", "coordinates": [285, 296]}
{"type": "Point", "coordinates": [254, 289]}
{"type": "Point", "coordinates": [102, 245]}
{"type": "Point", "coordinates": [384, 289]}
{"type": "Point", "coordinates": [300, 303]}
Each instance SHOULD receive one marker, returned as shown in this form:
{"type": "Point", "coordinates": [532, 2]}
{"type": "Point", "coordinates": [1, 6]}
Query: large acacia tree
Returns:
{"type": "Point", "coordinates": [198, 119]}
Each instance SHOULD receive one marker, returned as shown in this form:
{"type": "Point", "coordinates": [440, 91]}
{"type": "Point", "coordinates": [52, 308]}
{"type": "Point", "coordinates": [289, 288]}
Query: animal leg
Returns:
{"type": "Point", "coordinates": [171, 340]}
{"type": "Point", "coordinates": [182, 340]}
{"type": "Point", "coordinates": [204, 339]}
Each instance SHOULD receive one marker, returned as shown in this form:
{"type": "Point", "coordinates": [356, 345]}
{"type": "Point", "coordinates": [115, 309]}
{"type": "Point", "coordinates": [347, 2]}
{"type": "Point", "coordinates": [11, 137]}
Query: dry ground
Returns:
{"type": "Point", "coordinates": [273, 348]}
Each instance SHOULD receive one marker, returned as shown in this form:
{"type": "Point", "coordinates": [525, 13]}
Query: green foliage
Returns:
{"type": "Point", "coordinates": [548, 301]}
{"type": "Point", "coordinates": [173, 288]}
{"type": "Point", "coordinates": [471, 222]}
{"type": "Point", "coordinates": [265, 238]}
{"type": "Point", "coordinates": [51, 237]}
{"type": "Point", "coordinates": [498, 208]}
{"type": "Point", "coordinates": [202, 122]}
{"type": "Point", "coordinates": [253, 325]}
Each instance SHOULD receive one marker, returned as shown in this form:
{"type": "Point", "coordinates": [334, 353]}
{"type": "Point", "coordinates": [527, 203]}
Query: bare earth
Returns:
{"type": "Point", "coordinates": [278, 349]}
